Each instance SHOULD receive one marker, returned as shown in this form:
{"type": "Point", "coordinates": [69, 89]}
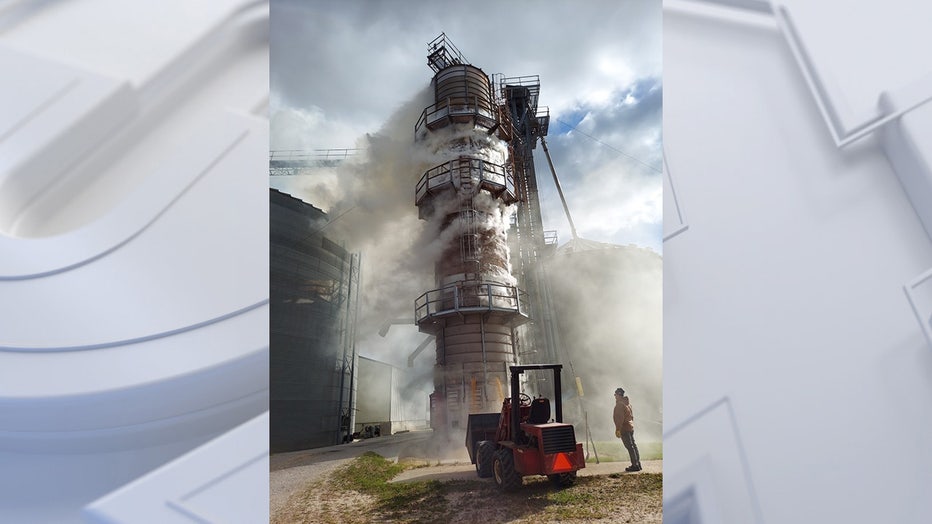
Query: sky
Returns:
{"type": "Point", "coordinates": [340, 70]}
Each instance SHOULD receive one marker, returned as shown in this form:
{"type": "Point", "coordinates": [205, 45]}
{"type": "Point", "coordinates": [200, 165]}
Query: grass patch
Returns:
{"type": "Point", "coordinates": [570, 497]}
{"type": "Point", "coordinates": [628, 498]}
{"type": "Point", "coordinates": [369, 474]}
{"type": "Point", "coordinates": [622, 498]}
{"type": "Point", "coordinates": [614, 451]}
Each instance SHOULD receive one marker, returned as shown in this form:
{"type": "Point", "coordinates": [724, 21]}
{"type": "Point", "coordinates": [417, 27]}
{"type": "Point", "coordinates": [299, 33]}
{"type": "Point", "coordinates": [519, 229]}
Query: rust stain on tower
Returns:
{"type": "Point", "coordinates": [485, 186]}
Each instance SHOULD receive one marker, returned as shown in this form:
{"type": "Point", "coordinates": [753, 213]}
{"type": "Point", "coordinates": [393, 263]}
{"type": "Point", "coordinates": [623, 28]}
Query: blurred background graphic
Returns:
{"type": "Point", "coordinates": [133, 261]}
{"type": "Point", "coordinates": [797, 301]}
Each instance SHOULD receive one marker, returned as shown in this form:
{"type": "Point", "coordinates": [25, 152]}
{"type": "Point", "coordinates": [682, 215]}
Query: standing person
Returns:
{"type": "Point", "coordinates": [624, 428]}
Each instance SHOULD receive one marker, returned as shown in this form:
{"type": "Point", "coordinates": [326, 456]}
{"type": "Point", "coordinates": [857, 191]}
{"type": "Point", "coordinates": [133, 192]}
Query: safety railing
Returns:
{"type": "Point", "coordinates": [543, 120]}
{"type": "Point", "coordinates": [441, 53]}
{"type": "Point", "coordinates": [311, 155]}
{"type": "Point", "coordinates": [457, 110]}
{"type": "Point", "coordinates": [467, 172]}
{"type": "Point", "coordinates": [468, 298]}
{"type": "Point", "coordinates": [530, 82]}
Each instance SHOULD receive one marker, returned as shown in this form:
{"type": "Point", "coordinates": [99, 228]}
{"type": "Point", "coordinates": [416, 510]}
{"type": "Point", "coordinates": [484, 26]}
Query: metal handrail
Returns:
{"type": "Point", "coordinates": [441, 53]}
{"type": "Point", "coordinates": [543, 120]}
{"type": "Point", "coordinates": [525, 80]}
{"type": "Point", "coordinates": [478, 171]}
{"type": "Point", "coordinates": [448, 109]}
{"type": "Point", "coordinates": [464, 297]}
{"type": "Point", "coordinates": [304, 155]}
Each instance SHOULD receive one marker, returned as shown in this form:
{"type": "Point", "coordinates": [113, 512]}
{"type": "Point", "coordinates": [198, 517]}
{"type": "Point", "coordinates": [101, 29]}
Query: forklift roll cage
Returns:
{"type": "Point", "coordinates": [516, 372]}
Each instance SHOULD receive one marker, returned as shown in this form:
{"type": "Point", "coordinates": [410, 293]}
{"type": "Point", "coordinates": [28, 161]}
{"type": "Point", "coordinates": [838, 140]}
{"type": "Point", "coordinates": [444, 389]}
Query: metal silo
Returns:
{"type": "Point", "coordinates": [313, 294]}
{"type": "Point", "coordinates": [476, 304]}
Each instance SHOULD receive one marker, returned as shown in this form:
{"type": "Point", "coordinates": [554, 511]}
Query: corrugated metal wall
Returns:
{"type": "Point", "coordinates": [312, 285]}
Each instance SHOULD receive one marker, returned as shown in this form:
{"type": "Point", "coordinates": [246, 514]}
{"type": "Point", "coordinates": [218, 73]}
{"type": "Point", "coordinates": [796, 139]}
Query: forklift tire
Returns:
{"type": "Point", "coordinates": [485, 453]}
{"type": "Point", "coordinates": [503, 469]}
{"type": "Point", "coordinates": [563, 480]}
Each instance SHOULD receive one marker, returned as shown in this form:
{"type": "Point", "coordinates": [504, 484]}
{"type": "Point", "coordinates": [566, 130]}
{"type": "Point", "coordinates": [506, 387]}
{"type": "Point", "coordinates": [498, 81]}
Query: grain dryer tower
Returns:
{"type": "Point", "coordinates": [471, 198]}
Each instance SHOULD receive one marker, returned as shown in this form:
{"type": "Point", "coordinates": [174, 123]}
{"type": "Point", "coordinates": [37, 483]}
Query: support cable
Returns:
{"type": "Point", "coordinates": [615, 149]}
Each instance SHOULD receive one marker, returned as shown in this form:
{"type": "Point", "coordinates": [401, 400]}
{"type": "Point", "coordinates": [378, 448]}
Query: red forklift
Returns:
{"type": "Point", "coordinates": [523, 440]}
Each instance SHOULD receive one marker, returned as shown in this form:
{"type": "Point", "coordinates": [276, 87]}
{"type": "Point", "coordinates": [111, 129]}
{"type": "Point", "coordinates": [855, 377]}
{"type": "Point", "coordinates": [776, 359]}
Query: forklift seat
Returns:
{"type": "Point", "coordinates": [540, 411]}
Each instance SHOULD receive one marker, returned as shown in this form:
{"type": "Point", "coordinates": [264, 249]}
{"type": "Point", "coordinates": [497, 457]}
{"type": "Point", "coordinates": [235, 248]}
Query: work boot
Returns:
{"type": "Point", "coordinates": [632, 467]}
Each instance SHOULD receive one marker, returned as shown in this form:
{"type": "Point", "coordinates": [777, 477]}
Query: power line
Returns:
{"type": "Point", "coordinates": [615, 149]}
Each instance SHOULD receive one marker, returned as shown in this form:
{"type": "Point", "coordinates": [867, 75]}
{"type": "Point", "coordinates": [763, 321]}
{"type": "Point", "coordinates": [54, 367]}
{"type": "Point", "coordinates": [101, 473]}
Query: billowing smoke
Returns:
{"type": "Point", "coordinates": [496, 217]}
{"type": "Point", "coordinates": [375, 215]}
{"type": "Point", "coordinates": [609, 306]}
{"type": "Point", "coordinates": [486, 215]}
{"type": "Point", "coordinates": [370, 202]}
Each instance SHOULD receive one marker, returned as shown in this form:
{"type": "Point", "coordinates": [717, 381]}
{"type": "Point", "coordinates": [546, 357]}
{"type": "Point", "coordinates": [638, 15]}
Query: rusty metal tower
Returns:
{"type": "Point", "coordinates": [484, 133]}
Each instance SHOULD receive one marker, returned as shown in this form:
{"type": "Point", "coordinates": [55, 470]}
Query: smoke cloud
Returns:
{"type": "Point", "coordinates": [609, 306]}
{"type": "Point", "coordinates": [370, 201]}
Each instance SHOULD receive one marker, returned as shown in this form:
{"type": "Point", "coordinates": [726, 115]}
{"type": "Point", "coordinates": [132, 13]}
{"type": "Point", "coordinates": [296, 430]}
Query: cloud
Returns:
{"type": "Point", "coordinates": [338, 57]}
{"type": "Point", "coordinates": [359, 61]}
{"type": "Point", "coordinates": [303, 129]}
{"type": "Point", "coordinates": [607, 156]}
